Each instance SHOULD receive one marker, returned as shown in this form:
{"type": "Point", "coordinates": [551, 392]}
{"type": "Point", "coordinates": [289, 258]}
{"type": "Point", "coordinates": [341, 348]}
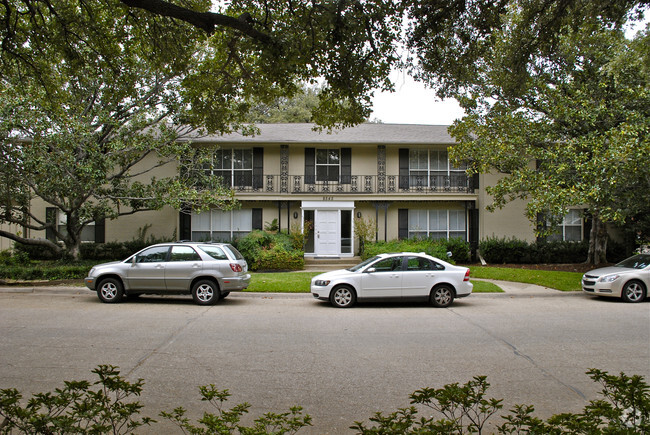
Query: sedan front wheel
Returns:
{"type": "Point", "coordinates": [343, 296]}
{"type": "Point", "coordinates": [633, 291]}
{"type": "Point", "coordinates": [442, 296]}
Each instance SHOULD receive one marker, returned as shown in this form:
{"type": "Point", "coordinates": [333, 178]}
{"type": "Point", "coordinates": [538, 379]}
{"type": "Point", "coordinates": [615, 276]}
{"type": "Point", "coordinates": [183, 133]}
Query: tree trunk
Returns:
{"type": "Point", "coordinates": [597, 241]}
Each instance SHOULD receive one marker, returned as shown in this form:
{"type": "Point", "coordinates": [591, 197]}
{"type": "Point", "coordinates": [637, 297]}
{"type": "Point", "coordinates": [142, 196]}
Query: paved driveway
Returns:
{"type": "Point", "coordinates": [276, 351]}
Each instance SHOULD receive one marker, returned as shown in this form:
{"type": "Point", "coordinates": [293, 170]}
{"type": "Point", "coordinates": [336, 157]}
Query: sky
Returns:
{"type": "Point", "coordinates": [413, 103]}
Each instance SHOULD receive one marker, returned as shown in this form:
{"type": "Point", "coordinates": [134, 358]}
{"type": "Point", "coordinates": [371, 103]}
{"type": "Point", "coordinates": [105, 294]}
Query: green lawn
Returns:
{"type": "Point", "coordinates": [565, 281]}
{"type": "Point", "coordinates": [298, 282]}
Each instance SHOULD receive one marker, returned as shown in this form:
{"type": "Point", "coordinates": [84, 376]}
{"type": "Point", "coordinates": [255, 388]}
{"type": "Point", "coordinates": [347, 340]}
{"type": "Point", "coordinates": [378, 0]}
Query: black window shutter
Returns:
{"type": "Point", "coordinates": [473, 231]}
{"type": "Point", "coordinates": [403, 168]}
{"type": "Point", "coordinates": [475, 183]}
{"type": "Point", "coordinates": [100, 230]}
{"type": "Point", "coordinates": [403, 223]}
{"type": "Point", "coordinates": [258, 167]}
{"type": "Point", "coordinates": [346, 165]}
{"type": "Point", "coordinates": [50, 218]}
{"type": "Point", "coordinates": [257, 218]}
{"type": "Point", "coordinates": [310, 165]}
{"type": "Point", "coordinates": [185, 223]}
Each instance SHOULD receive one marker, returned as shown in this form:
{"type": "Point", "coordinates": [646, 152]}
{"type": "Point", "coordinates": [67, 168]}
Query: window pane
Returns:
{"type": "Point", "coordinates": [573, 234]}
{"type": "Point", "coordinates": [201, 221]}
{"type": "Point", "coordinates": [201, 236]}
{"type": "Point", "coordinates": [214, 252]}
{"type": "Point", "coordinates": [321, 157]}
{"type": "Point", "coordinates": [418, 220]}
{"type": "Point", "coordinates": [242, 220]}
{"type": "Point", "coordinates": [573, 218]}
{"type": "Point", "coordinates": [220, 220]}
{"type": "Point", "coordinates": [438, 220]}
{"type": "Point", "coordinates": [456, 220]}
{"type": "Point", "coordinates": [183, 253]}
{"type": "Point", "coordinates": [333, 157]}
{"type": "Point", "coordinates": [153, 255]}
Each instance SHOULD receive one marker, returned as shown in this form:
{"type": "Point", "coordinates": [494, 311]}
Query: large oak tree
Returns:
{"type": "Point", "coordinates": [557, 100]}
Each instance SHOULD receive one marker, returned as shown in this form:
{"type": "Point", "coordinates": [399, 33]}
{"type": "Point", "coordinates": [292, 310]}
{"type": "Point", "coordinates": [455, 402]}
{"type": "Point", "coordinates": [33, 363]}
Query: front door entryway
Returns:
{"type": "Point", "coordinates": [331, 232]}
{"type": "Point", "coordinates": [327, 232]}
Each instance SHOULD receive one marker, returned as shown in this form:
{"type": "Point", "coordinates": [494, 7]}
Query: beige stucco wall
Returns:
{"type": "Point", "coordinates": [508, 222]}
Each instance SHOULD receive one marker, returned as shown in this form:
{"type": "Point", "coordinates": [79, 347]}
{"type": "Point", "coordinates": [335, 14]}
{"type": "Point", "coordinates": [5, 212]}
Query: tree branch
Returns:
{"type": "Point", "coordinates": [32, 242]}
{"type": "Point", "coordinates": [206, 21]}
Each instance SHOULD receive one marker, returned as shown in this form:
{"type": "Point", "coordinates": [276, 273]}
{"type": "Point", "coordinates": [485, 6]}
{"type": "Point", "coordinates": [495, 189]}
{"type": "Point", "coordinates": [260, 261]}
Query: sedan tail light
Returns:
{"type": "Point", "coordinates": [466, 276]}
{"type": "Point", "coordinates": [236, 267]}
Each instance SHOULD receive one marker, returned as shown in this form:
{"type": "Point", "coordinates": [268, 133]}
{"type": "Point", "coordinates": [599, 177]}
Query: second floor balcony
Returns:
{"type": "Point", "coordinates": [354, 184]}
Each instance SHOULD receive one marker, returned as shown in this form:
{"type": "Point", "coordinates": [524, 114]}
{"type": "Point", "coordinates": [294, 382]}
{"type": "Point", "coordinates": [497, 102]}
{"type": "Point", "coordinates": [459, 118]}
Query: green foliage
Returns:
{"type": "Point", "coordinates": [365, 230]}
{"type": "Point", "coordinates": [277, 257]}
{"type": "Point", "coordinates": [78, 407]}
{"type": "Point", "coordinates": [266, 251]}
{"type": "Point", "coordinates": [624, 409]}
{"type": "Point", "coordinates": [14, 258]}
{"type": "Point", "coordinates": [438, 248]}
{"type": "Point", "coordinates": [101, 407]}
{"type": "Point", "coordinates": [300, 235]}
{"type": "Point", "coordinates": [227, 421]}
{"type": "Point", "coordinates": [511, 250]}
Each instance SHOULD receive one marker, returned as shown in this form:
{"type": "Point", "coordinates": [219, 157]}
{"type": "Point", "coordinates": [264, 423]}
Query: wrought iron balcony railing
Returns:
{"type": "Point", "coordinates": [355, 184]}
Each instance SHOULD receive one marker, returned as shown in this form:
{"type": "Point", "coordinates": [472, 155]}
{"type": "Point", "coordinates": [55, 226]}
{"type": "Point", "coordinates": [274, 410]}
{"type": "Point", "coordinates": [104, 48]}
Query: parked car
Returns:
{"type": "Point", "coordinates": [628, 280]}
{"type": "Point", "coordinates": [207, 271]}
{"type": "Point", "coordinates": [401, 275]}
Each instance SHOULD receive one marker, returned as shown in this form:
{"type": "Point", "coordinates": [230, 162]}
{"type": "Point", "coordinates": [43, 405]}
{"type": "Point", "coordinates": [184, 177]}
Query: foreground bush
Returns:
{"type": "Point", "coordinates": [102, 407]}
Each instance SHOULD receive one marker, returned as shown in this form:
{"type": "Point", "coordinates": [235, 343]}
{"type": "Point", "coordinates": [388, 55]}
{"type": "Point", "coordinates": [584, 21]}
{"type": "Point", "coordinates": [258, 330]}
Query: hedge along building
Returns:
{"type": "Point", "coordinates": [398, 176]}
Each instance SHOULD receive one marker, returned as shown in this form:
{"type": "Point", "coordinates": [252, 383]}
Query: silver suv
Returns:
{"type": "Point", "coordinates": [209, 271]}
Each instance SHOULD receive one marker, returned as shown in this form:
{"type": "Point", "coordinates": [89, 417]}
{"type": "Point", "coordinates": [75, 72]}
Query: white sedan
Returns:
{"type": "Point", "coordinates": [628, 280]}
{"type": "Point", "coordinates": [401, 275]}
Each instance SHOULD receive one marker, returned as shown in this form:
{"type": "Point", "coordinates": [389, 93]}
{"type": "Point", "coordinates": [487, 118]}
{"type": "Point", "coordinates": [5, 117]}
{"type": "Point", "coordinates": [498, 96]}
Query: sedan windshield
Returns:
{"type": "Point", "coordinates": [640, 261]}
{"type": "Point", "coordinates": [363, 264]}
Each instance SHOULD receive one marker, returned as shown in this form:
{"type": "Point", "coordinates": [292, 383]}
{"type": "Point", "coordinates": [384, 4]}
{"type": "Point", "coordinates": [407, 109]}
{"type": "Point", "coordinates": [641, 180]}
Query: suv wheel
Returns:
{"type": "Point", "coordinates": [205, 292]}
{"type": "Point", "coordinates": [110, 291]}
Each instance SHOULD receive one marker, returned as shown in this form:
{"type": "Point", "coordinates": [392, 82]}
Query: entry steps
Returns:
{"type": "Point", "coordinates": [323, 264]}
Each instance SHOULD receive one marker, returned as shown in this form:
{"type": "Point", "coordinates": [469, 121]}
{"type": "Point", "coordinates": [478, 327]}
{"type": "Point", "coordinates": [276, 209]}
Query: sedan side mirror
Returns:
{"type": "Point", "coordinates": [371, 270]}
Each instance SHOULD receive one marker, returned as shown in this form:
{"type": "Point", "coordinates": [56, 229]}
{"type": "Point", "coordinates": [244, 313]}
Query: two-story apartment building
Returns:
{"type": "Point", "coordinates": [398, 176]}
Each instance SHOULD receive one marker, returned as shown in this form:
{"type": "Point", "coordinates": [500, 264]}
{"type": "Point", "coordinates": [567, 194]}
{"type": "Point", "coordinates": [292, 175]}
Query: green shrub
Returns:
{"type": "Point", "coordinates": [265, 251]}
{"type": "Point", "coordinates": [44, 273]}
{"type": "Point", "coordinates": [501, 251]}
{"type": "Point", "coordinates": [460, 250]}
{"type": "Point", "coordinates": [435, 248]}
{"type": "Point", "coordinates": [277, 257]}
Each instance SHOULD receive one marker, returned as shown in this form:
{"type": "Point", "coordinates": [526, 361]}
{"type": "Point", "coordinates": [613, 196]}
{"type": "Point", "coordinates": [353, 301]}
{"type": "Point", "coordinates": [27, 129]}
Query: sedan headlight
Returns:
{"type": "Point", "coordinates": [322, 283]}
{"type": "Point", "coordinates": [609, 278]}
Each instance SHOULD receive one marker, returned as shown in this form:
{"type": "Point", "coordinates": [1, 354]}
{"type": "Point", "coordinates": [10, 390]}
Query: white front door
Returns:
{"type": "Point", "coordinates": [327, 232]}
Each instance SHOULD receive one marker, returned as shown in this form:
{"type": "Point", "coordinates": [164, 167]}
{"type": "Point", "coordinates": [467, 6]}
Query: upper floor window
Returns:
{"type": "Point", "coordinates": [235, 166]}
{"type": "Point", "coordinates": [431, 168]}
{"type": "Point", "coordinates": [570, 230]}
{"type": "Point", "coordinates": [328, 165]}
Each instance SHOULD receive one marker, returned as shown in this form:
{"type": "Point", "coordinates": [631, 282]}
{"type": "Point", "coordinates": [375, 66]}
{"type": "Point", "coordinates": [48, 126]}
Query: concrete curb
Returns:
{"type": "Point", "coordinates": [511, 289]}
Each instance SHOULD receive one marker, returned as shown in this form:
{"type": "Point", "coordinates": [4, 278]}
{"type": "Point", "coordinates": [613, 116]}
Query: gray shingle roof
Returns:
{"type": "Point", "coordinates": [384, 134]}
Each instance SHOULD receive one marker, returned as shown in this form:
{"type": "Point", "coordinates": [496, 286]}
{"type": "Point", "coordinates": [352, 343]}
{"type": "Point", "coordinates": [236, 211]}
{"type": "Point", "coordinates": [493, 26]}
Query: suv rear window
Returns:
{"type": "Point", "coordinates": [233, 251]}
{"type": "Point", "coordinates": [214, 251]}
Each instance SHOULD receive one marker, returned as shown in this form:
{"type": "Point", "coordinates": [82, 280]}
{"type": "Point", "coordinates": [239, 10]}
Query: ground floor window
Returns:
{"type": "Point", "coordinates": [570, 230]}
{"type": "Point", "coordinates": [90, 233]}
{"type": "Point", "coordinates": [221, 226]}
{"type": "Point", "coordinates": [437, 224]}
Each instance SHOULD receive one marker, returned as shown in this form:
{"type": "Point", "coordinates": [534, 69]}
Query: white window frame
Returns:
{"type": "Point", "coordinates": [239, 222]}
{"type": "Point", "coordinates": [327, 165]}
{"type": "Point", "coordinates": [62, 221]}
{"type": "Point", "coordinates": [232, 170]}
{"type": "Point", "coordinates": [573, 219]}
{"type": "Point", "coordinates": [428, 172]}
{"type": "Point", "coordinates": [445, 232]}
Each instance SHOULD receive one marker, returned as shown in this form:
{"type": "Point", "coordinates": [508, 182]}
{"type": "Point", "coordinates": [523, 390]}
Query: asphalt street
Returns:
{"type": "Point", "coordinates": [277, 350]}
